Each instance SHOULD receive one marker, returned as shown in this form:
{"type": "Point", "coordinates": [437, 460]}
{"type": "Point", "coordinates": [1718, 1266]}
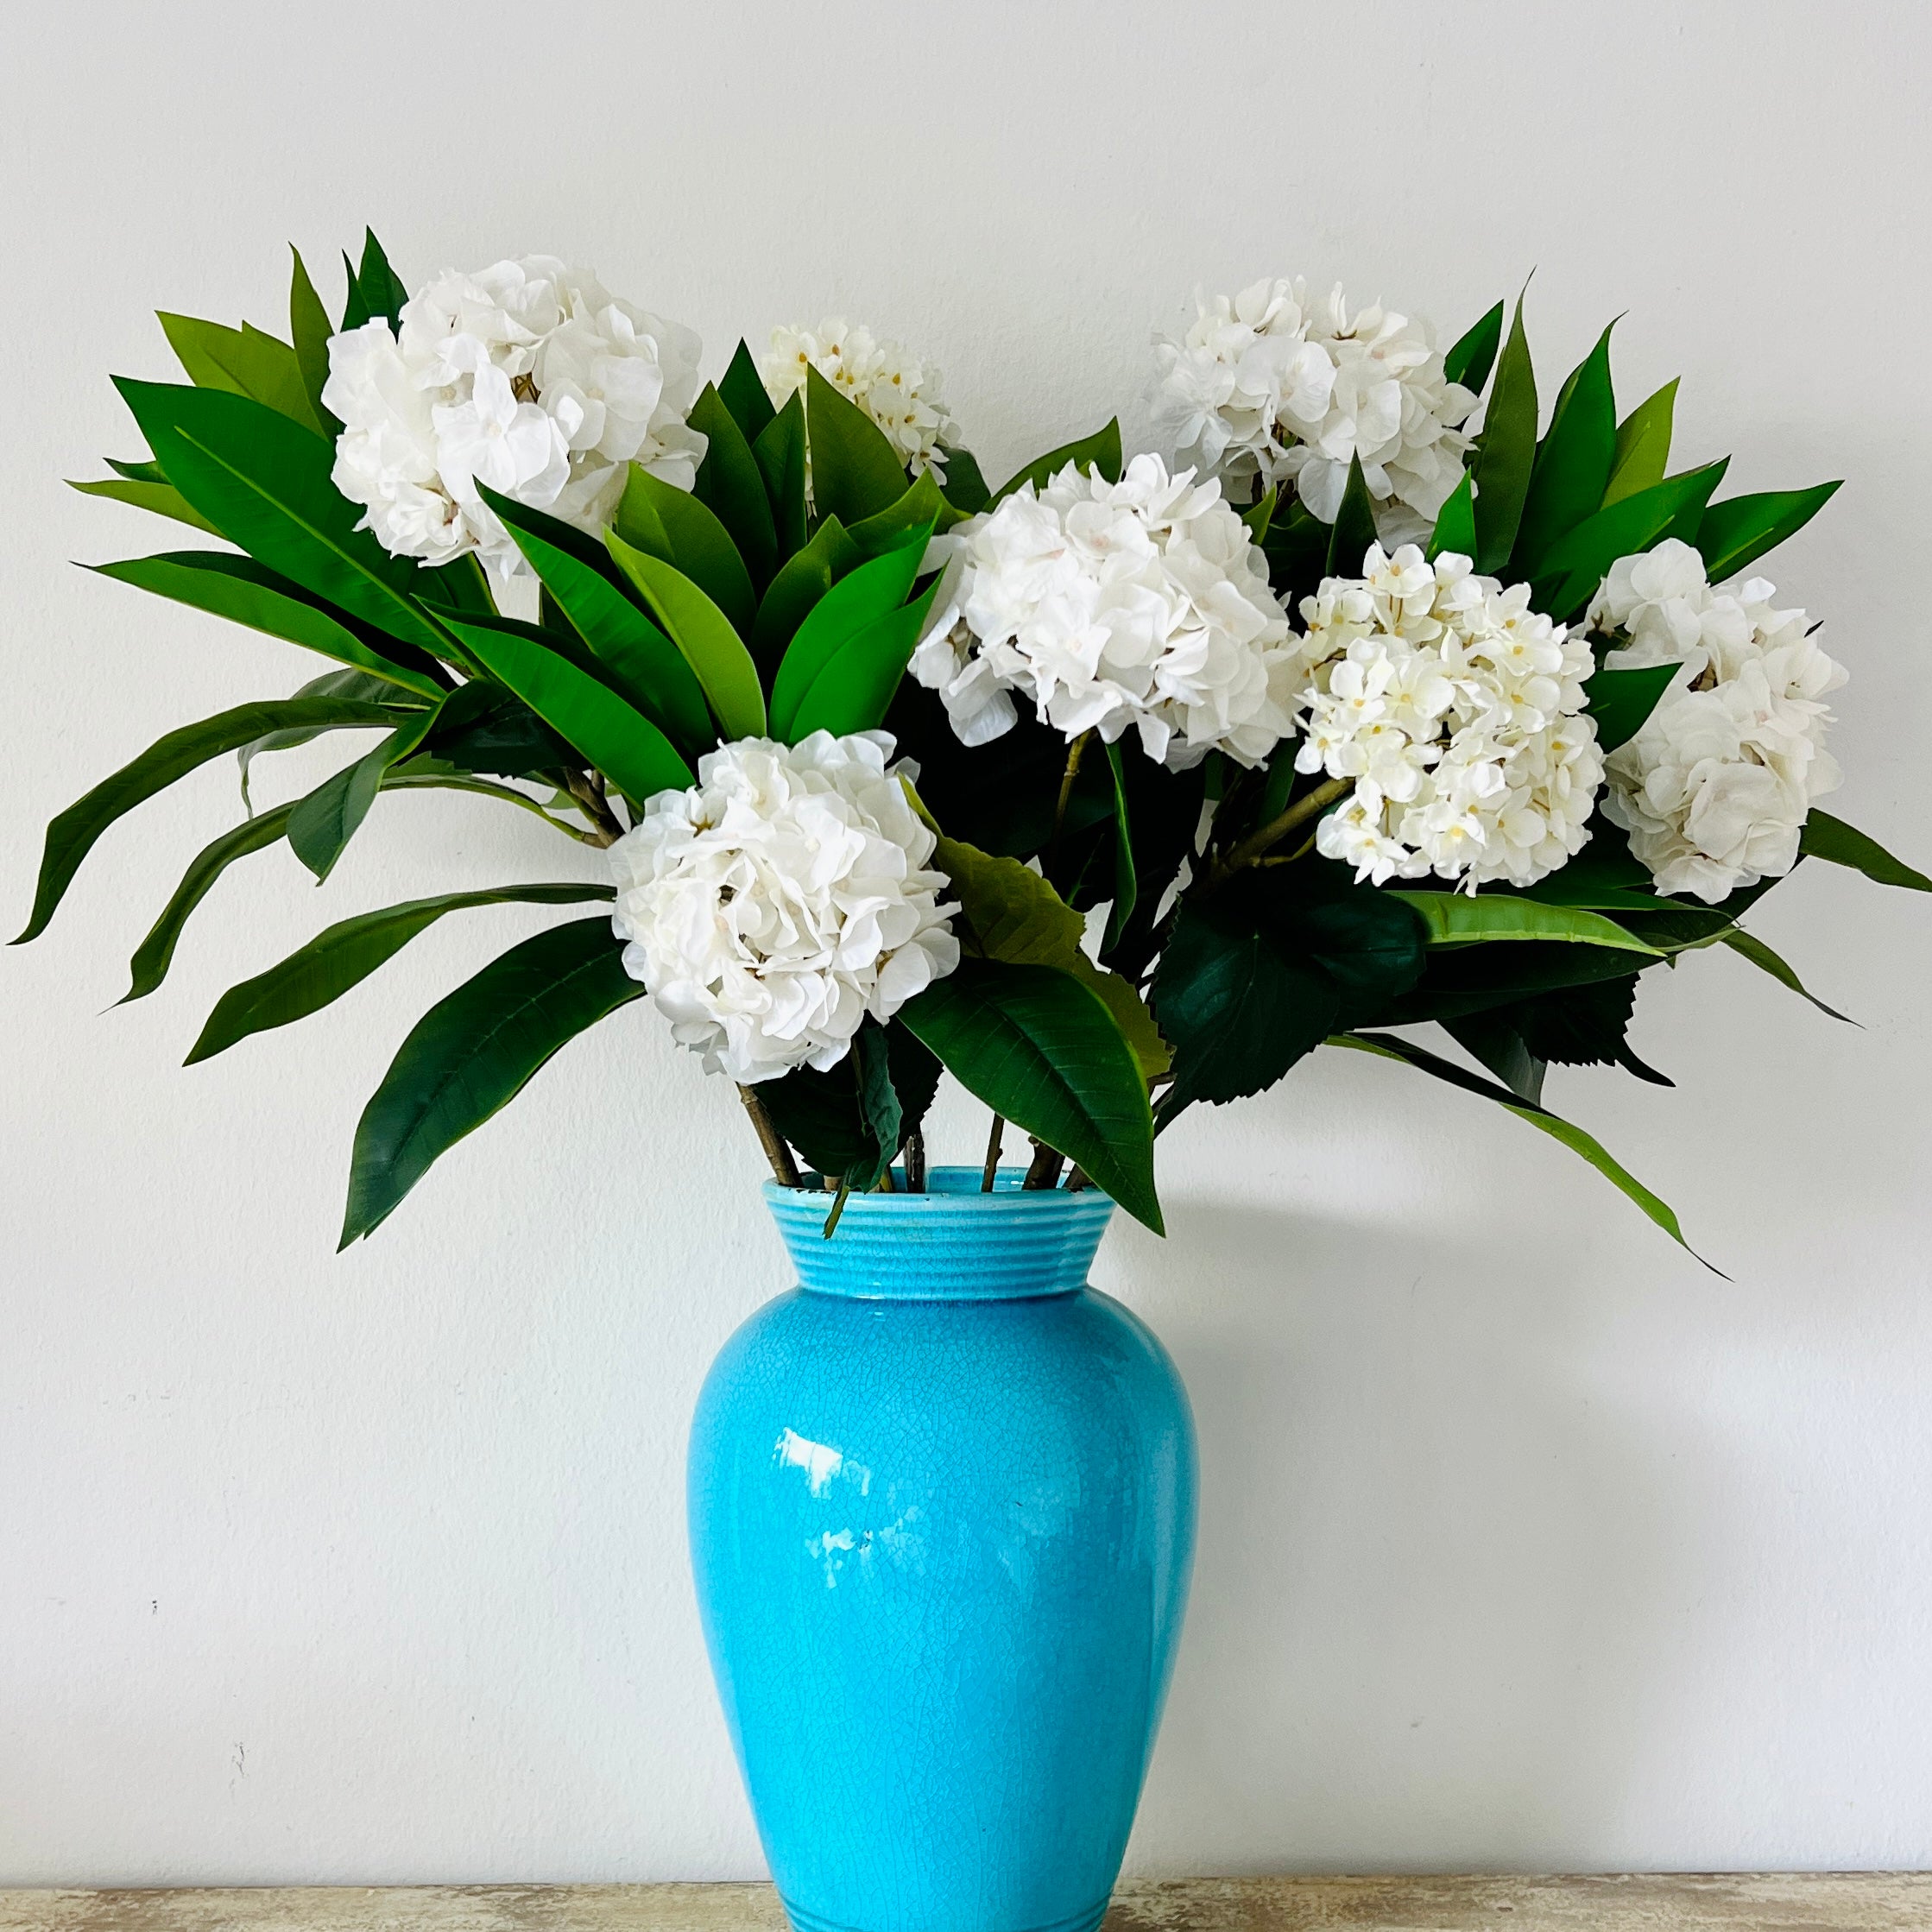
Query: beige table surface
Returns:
{"type": "Point", "coordinates": [1859, 1902]}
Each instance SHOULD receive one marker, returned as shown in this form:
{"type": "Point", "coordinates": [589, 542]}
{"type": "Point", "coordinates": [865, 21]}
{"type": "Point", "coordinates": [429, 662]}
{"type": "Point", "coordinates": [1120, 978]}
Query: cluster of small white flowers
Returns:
{"type": "Point", "coordinates": [1271, 383]}
{"type": "Point", "coordinates": [779, 901]}
{"type": "Point", "coordinates": [1142, 602]}
{"type": "Point", "coordinates": [527, 377]}
{"type": "Point", "coordinates": [1714, 790]}
{"type": "Point", "coordinates": [901, 394]}
{"type": "Point", "coordinates": [1457, 712]}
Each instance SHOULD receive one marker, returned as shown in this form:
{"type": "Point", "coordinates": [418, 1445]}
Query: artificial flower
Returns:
{"type": "Point", "coordinates": [901, 394]}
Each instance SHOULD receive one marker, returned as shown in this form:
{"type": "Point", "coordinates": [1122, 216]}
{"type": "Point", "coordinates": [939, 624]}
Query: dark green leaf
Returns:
{"type": "Point", "coordinates": [841, 612]}
{"type": "Point", "coordinates": [1825, 837]}
{"type": "Point", "coordinates": [358, 686]}
{"type": "Point", "coordinates": [1508, 453]}
{"type": "Point", "coordinates": [1296, 548]}
{"type": "Point", "coordinates": [700, 546]}
{"type": "Point", "coordinates": [1577, 562]}
{"type": "Point", "coordinates": [1042, 1051]}
{"type": "Point", "coordinates": [730, 482]}
{"type": "Point", "coordinates": [1574, 462]}
{"type": "Point", "coordinates": [1620, 701]}
{"type": "Point", "coordinates": [801, 582]}
{"type": "Point", "coordinates": [1100, 451]}
{"type": "Point", "coordinates": [1456, 523]}
{"type": "Point", "coordinates": [354, 307]}
{"type": "Point", "coordinates": [965, 487]}
{"type": "Point", "coordinates": [309, 329]}
{"type": "Point", "coordinates": [923, 507]}
{"type": "Point", "coordinates": [322, 824]}
{"type": "Point", "coordinates": [1642, 451]}
{"type": "Point", "coordinates": [704, 636]}
{"type": "Point", "coordinates": [1493, 1039]}
{"type": "Point", "coordinates": [743, 392]}
{"type": "Point", "coordinates": [1734, 535]}
{"type": "Point", "coordinates": [1585, 1026]}
{"type": "Point", "coordinates": [1354, 526]}
{"type": "Point", "coordinates": [779, 449]}
{"type": "Point", "coordinates": [1469, 362]}
{"type": "Point", "coordinates": [381, 287]}
{"type": "Point", "coordinates": [344, 956]}
{"type": "Point", "coordinates": [150, 963]}
{"type": "Point", "coordinates": [484, 727]}
{"type": "Point", "coordinates": [856, 472]}
{"type": "Point", "coordinates": [1127, 889]}
{"type": "Point", "coordinates": [1473, 979]}
{"type": "Point", "coordinates": [474, 1051]}
{"type": "Point", "coordinates": [1260, 514]}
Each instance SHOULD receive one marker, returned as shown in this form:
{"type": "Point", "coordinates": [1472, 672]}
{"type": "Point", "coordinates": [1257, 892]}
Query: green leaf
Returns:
{"type": "Point", "coordinates": [354, 307]}
{"type": "Point", "coordinates": [700, 546]}
{"type": "Point", "coordinates": [1355, 525]}
{"type": "Point", "coordinates": [71, 836]}
{"type": "Point", "coordinates": [150, 963]}
{"type": "Point", "coordinates": [242, 362]}
{"type": "Point", "coordinates": [1576, 563]}
{"type": "Point", "coordinates": [965, 487]}
{"type": "Point", "coordinates": [1457, 919]}
{"type": "Point", "coordinates": [1642, 451]}
{"type": "Point", "coordinates": [266, 484]}
{"type": "Point", "coordinates": [801, 582]}
{"type": "Point", "coordinates": [704, 634]}
{"type": "Point", "coordinates": [856, 686]}
{"type": "Point", "coordinates": [474, 1051]}
{"type": "Point", "coordinates": [1456, 523]}
{"type": "Point", "coordinates": [1494, 1040]}
{"type": "Point", "coordinates": [856, 472]}
{"type": "Point", "coordinates": [1620, 701]}
{"type": "Point", "coordinates": [617, 739]}
{"type": "Point", "coordinates": [1734, 535]}
{"type": "Point", "coordinates": [358, 686]}
{"type": "Point", "coordinates": [162, 498]}
{"type": "Point", "coordinates": [239, 589]}
{"type": "Point", "coordinates": [1013, 915]}
{"type": "Point", "coordinates": [322, 824]}
{"type": "Point", "coordinates": [826, 1116]}
{"type": "Point", "coordinates": [335, 961]}
{"type": "Point", "coordinates": [779, 449]}
{"type": "Point", "coordinates": [1100, 451]}
{"type": "Point", "coordinates": [923, 507]}
{"type": "Point", "coordinates": [730, 482]}
{"type": "Point", "coordinates": [1825, 837]}
{"type": "Point", "coordinates": [484, 727]}
{"type": "Point", "coordinates": [1297, 550]}
{"type": "Point", "coordinates": [1574, 462]}
{"type": "Point", "coordinates": [1471, 979]}
{"type": "Point", "coordinates": [1469, 362]}
{"type": "Point", "coordinates": [878, 1105]}
{"type": "Point", "coordinates": [743, 392]}
{"type": "Point", "coordinates": [1127, 886]}
{"type": "Point", "coordinates": [647, 668]}
{"type": "Point", "coordinates": [841, 613]}
{"type": "Point", "coordinates": [1584, 1026]}
{"type": "Point", "coordinates": [309, 329]}
{"type": "Point", "coordinates": [1748, 945]}
{"type": "Point", "coordinates": [1258, 515]}
{"type": "Point", "coordinates": [380, 286]}
{"type": "Point", "coordinates": [1042, 1051]}
{"type": "Point", "coordinates": [1390, 1047]}
{"type": "Point", "coordinates": [1508, 453]}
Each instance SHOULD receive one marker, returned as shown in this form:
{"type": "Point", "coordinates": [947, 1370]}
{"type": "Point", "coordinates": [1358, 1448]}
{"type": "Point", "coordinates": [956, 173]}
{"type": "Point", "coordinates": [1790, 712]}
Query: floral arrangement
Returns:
{"type": "Point", "coordinates": [1367, 699]}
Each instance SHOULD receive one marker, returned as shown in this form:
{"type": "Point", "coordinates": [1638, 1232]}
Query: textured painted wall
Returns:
{"type": "Point", "coordinates": [1526, 1542]}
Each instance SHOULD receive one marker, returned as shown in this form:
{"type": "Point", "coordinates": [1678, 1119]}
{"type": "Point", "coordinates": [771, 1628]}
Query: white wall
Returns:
{"type": "Point", "coordinates": [1527, 1542]}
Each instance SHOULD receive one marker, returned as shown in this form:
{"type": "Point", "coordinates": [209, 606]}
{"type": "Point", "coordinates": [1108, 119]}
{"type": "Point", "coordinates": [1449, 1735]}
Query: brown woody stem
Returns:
{"type": "Point", "coordinates": [992, 1142]}
{"type": "Point", "coordinates": [1045, 1169]}
{"type": "Point", "coordinates": [784, 1169]}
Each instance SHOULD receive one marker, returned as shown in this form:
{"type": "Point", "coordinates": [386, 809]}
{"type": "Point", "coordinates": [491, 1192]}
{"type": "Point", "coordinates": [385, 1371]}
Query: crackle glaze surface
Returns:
{"type": "Point", "coordinates": [942, 1515]}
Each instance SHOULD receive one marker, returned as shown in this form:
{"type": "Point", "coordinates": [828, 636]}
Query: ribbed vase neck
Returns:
{"type": "Point", "coordinates": [951, 1243]}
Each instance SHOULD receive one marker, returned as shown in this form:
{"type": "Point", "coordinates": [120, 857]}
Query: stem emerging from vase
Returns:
{"type": "Point", "coordinates": [784, 1169]}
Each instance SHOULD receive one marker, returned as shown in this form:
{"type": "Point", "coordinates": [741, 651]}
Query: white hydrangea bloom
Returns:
{"type": "Point", "coordinates": [1275, 385]}
{"type": "Point", "coordinates": [779, 901]}
{"type": "Point", "coordinates": [1142, 602]}
{"type": "Point", "coordinates": [528, 377]}
{"type": "Point", "coordinates": [1457, 712]}
{"type": "Point", "coordinates": [1714, 789]}
{"type": "Point", "coordinates": [901, 394]}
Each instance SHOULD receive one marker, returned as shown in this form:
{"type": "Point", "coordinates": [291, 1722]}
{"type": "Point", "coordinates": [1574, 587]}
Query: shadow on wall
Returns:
{"type": "Point", "coordinates": [1446, 1590]}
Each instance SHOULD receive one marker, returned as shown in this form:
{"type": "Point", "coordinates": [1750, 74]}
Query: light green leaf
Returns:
{"type": "Point", "coordinates": [923, 507]}
{"type": "Point", "coordinates": [1748, 945]}
{"type": "Point", "coordinates": [801, 582]}
{"type": "Point", "coordinates": [1825, 837]}
{"type": "Point", "coordinates": [162, 498]}
{"type": "Point", "coordinates": [855, 687]}
{"type": "Point", "coordinates": [1642, 452]}
{"type": "Point", "coordinates": [1100, 451]}
{"type": "Point", "coordinates": [1456, 920]}
{"type": "Point", "coordinates": [242, 362]}
{"type": "Point", "coordinates": [703, 634]}
{"type": "Point", "coordinates": [700, 546]}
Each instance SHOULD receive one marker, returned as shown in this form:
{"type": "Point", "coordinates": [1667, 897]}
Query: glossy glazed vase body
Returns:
{"type": "Point", "coordinates": [942, 1517]}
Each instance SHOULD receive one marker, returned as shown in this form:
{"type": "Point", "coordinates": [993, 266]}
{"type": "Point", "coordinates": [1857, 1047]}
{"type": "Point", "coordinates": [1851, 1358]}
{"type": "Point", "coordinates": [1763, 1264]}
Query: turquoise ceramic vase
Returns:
{"type": "Point", "coordinates": [942, 1516]}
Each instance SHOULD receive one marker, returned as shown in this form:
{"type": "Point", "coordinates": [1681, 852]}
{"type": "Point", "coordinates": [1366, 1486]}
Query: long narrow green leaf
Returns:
{"type": "Point", "coordinates": [1734, 535]}
{"type": "Point", "coordinates": [1355, 525]}
{"type": "Point", "coordinates": [1621, 701]}
{"type": "Point", "coordinates": [1574, 462]}
{"type": "Point", "coordinates": [474, 1051]}
{"type": "Point", "coordinates": [856, 472]}
{"type": "Point", "coordinates": [1577, 562]}
{"type": "Point", "coordinates": [1748, 945]}
{"type": "Point", "coordinates": [1127, 886]}
{"type": "Point", "coordinates": [743, 392]}
{"type": "Point", "coordinates": [1100, 451]}
{"type": "Point", "coordinates": [1642, 451]}
{"type": "Point", "coordinates": [700, 546]}
{"type": "Point", "coordinates": [71, 836]}
{"type": "Point", "coordinates": [1458, 919]}
{"type": "Point", "coordinates": [1825, 837]}
{"type": "Point", "coordinates": [779, 449]}
{"type": "Point", "coordinates": [242, 362]}
{"type": "Point", "coordinates": [729, 481]}
{"type": "Point", "coordinates": [323, 822]}
{"type": "Point", "coordinates": [381, 286]}
{"type": "Point", "coordinates": [334, 962]}
{"type": "Point", "coordinates": [1390, 1047]}
{"type": "Point", "coordinates": [1508, 453]}
{"type": "Point", "coordinates": [1470, 359]}
{"type": "Point", "coordinates": [841, 613]}
{"type": "Point", "coordinates": [162, 499]}
{"type": "Point", "coordinates": [801, 582]}
{"type": "Point", "coordinates": [149, 966]}
{"type": "Point", "coordinates": [1456, 523]}
{"type": "Point", "coordinates": [705, 636]}
{"type": "Point", "coordinates": [309, 330]}
{"type": "Point", "coordinates": [924, 506]}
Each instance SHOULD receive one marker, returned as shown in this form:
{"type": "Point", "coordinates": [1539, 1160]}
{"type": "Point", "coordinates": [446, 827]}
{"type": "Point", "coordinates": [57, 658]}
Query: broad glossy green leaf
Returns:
{"type": "Point", "coordinates": [965, 487]}
{"type": "Point", "coordinates": [309, 330]}
{"type": "Point", "coordinates": [923, 507]}
{"type": "Point", "coordinates": [646, 666]}
{"type": "Point", "coordinates": [1748, 945]}
{"type": "Point", "coordinates": [266, 484]}
{"type": "Point", "coordinates": [1100, 451]}
{"type": "Point", "coordinates": [856, 472]}
{"type": "Point", "coordinates": [856, 685]}
{"type": "Point", "coordinates": [1574, 462]}
{"type": "Point", "coordinates": [341, 958]}
{"type": "Point", "coordinates": [381, 286]}
{"type": "Point", "coordinates": [1577, 563]}
{"type": "Point", "coordinates": [743, 392]}
{"type": "Point", "coordinates": [801, 582]}
{"type": "Point", "coordinates": [162, 498]}
{"type": "Point", "coordinates": [1127, 886]}
{"type": "Point", "coordinates": [703, 634]}
{"type": "Point", "coordinates": [730, 482]}
{"type": "Point", "coordinates": [474, 1051]}
{"type": "Point", "coordinates": [150, 965]}
{"type": "Point", "coordinates": [1471, 358]}
{"type": "Point", "coordinates": [240, 589]}
{"type": "Point", "coordinates": [1642, 451]}
{"type": "Point", "coordinates": [1456, 523]}
{"type": "Point", "coordinates": [72, 835]}
{"type": "Point", "coordinates": [1825, 837]}
{"type": "Point", "coordinates": [323, 822]}
{"type": "Point", "coordinates": [1734, 535]}
{"type": "Point", "coordinates": [1503, 464]}
{"type": "Point", "coordinates": [779, 449]}
{"type": "Point", "coordinates": [1390, 1047]}
{"type": "Point", "coordinates": [700, 546]}
{"type": "Point", "coordinates": [841, 613]}
{"type": "Point", "coordinates": [1458, 919]}
{"type": "Point", "coordinates": [1354, 526]}
{"type": "Point", "coordinates": [1043, 1051]}
{"type": "Point", "coordinates": [242, 362]}
{"type": "Point", "coordinates": [1620, 701]}
{"type": "Point", "coordinates": [616, 738]}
